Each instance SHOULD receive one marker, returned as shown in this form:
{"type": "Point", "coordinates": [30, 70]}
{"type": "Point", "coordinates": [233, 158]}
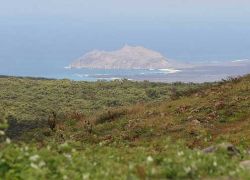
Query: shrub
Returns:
{"type": "Point", "coordinates": [110, 115]}
{"type": "Point", "coordinates": [152, 93]}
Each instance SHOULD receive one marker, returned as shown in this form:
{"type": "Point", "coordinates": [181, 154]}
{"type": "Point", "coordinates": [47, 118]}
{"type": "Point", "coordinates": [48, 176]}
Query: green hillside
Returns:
{"type": "Point", "coordinates": [61, 129]}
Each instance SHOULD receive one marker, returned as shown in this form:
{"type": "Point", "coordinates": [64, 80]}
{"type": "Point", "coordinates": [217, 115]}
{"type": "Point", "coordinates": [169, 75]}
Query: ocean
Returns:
{"type": "Point", "coordinates": [195, 74]}
{"type": "Point", "coordinates": [41, 47]}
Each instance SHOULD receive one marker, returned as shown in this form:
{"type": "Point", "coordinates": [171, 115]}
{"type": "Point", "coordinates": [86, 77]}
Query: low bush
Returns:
{"type": "Point", "coordinates": [110, 115]}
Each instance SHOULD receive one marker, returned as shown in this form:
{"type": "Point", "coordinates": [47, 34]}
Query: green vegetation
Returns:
{"type": "Point", "coordinates": [61, 129]}
{"type": "Point", "coordinates": [30, 98]}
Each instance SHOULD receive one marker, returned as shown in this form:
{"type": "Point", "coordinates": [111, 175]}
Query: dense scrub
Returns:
{"type": "Point", "coordinates": [33, 99]}
{"type": "Point", "coordinates": [157, 131]}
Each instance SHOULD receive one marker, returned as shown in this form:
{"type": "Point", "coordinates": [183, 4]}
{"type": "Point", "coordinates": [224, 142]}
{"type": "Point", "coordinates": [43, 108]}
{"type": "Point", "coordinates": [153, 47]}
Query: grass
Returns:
{"type": "Point", "coordinates": [156, 131]}
{"type": "Point", "coordinates": [156, 160]}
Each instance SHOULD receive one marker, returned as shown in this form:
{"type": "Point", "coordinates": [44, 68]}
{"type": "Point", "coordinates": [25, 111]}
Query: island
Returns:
{"type": "Point", "coordinates": [128, 57]}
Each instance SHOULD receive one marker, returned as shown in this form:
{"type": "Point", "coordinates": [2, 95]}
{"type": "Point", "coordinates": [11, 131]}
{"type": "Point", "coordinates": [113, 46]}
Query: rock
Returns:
{"type": "Point", "coordinates": [195, 122]}
{"type": "Point", "coordinates": [210, 149]}
{"type": "Point", "coordinates": [228, 147]}
{"type": "Point", "coordinates": [245, 164]}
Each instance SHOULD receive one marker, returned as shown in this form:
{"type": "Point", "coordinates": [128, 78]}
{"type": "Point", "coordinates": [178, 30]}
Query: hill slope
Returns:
{"type": "Point", "coordinates": [161, 139]}
{"type": "Point", "coordinates": [210, 115]}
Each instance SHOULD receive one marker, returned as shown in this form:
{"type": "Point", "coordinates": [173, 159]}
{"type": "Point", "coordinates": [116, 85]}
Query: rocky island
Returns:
{"type": "Point", "coordinates": [128, 57]}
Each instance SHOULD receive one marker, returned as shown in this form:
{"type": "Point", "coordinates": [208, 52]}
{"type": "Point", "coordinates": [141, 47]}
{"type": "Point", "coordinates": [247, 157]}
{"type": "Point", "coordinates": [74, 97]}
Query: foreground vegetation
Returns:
{"type": "Point", "coordinates": [59, 129]}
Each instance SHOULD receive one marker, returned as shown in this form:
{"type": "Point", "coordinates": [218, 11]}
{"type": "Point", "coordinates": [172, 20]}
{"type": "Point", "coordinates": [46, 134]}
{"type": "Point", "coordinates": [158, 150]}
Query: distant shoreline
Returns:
{"type": "Point", "coordinates": [189, 75]}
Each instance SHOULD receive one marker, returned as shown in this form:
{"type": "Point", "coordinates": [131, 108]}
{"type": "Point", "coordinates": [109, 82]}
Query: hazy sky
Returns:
{"type": "Point", "coordinates": [42, 32]}
{"type": "Point", "coordinates": [101, 10]}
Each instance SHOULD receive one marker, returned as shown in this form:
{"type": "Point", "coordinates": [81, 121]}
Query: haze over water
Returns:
{"type": "Point", "coordinates": [40, 38]}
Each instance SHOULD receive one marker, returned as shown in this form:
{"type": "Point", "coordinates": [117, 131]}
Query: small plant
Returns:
{"type": "Point", "coordinates": [110, 115]}
{"type": "Point", "coordinates": [52, 121]}
{"type": "Point", "coordinates": [88, 126]}
{"type": "Point", "coordinates": [174, 93]}
{"type": "Point", "coordinates": [3, 124]}
{"type": "Point", "coordinates": [152, 93]}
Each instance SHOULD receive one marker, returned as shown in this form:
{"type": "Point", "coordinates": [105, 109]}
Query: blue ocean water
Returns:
{"type": "Point", "coordinates": [196, 74]}
{"type": "Point", "coordinates": [86, 74]}
{"type": "Point", "coordinates": [43, 47]}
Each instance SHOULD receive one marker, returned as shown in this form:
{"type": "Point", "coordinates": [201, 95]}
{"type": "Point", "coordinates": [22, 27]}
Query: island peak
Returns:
{"type": "Point", "coordinates": [128, 57]}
